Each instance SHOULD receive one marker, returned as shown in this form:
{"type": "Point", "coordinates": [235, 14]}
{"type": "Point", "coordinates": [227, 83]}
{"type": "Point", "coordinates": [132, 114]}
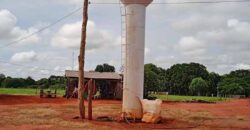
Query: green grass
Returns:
{"type": "Point", "coordinates": [26, 91]}
{"type": "Point", "coordinates": [189, 98]}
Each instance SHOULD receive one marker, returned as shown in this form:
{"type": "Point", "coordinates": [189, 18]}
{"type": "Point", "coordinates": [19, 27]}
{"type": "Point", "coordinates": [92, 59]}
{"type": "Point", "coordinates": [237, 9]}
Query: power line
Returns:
{"type": "Point", "coordinates": [179, 3]}
{"type": "Point", "coordinates": [42, 29]}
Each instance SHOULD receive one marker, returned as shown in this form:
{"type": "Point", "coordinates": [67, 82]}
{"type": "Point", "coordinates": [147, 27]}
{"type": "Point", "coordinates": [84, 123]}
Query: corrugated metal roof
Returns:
{"type": "Point", "coordinates": [93, 75]}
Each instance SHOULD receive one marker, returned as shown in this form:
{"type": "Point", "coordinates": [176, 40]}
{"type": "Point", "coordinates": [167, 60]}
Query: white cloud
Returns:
{"type": "Point", "coordinates": [234, 37]}
{"type": "Point", "coordinates": [242, 66]}
{"type": "Point", "coordinates": [196, 23]}
{"type": "Point", "coordinates": [18, 33]}
{"type": "Point", "coordinates": [44, 72]}
{"type": "Point", "coordinates": [221, 48]}
{"type": "Point", "coordinates": [221, 9]}
{"type": "Point", "coordinates": [232, 22]}
{"type": "Point", "coordinates": [7, 23]}
{"type": "Point", "coordinates": [191, 46]}
{"type": "Point", "coordinates": [57, 68]}
{"type": "Point", "coordinates": [147, 51]}
{"type": "Point", "coordinates": [24, 57]}
{"type": "Point", "coordinates": [34, 69]}
{"type": "Point", "coordinates": [69, 36]}
{"type": "Point", "coordinates": [62, 69]}
{"type": "Point", "coordinates": [9, 31]}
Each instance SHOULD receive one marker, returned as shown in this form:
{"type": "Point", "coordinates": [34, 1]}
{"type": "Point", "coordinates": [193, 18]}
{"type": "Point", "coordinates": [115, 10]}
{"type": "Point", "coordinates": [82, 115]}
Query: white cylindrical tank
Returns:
{"type": "Point", "coordinates": [134, 57]}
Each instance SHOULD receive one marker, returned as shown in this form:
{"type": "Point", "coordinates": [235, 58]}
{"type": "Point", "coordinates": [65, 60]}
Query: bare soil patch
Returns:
{"type": "Point", "coordinates": [31, 112]}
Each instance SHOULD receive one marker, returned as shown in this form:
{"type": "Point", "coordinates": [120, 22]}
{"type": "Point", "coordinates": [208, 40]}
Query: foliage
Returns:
{"type": "Point", "coordinates": [160, 75]}
{"type": "Point", "coordinates": [57, 82]}
{"type": "Point", "coordinates": [198, 87]}
{"type": "Point", "coordinates": [13, 82]}
{"type": "Point", "coordinates": [151, 82]}
{"type": "Point", "coordinates": [213, 80]}
{"type": "Point", "coordinates": [52, 81]}
{"type": "Point", "coordinates": [179, 77]}
{"type": "Point", "coordinates": [105, 68]}
{"type": "Point", "coordinates": [239, 73]}
{"type": "Point", "coordinates": [231, 89]}
{"type": "Point", "coordinates": [43, 83]}
{"type": "Point", "coordinates": [29, 81]}
{"type": "Point", "coordinates": [102, 84]}
{"type": "Point", "coordinates": [154, 79]}
{"type": "Point", "coordinates": [237, 82]}
{"type": "Point", "coordinates": [2, 78]}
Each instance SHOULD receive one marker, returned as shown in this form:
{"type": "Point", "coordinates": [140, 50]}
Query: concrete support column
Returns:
{"type": "Point", "coordinates": [134, 59]}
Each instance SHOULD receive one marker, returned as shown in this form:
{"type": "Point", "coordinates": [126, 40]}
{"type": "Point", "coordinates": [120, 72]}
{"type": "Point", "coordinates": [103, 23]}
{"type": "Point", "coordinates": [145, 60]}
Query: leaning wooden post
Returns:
{"type": "Point", "coordinates": [90, 93]}
{"type": "Point", "coordinates": [81, 61]}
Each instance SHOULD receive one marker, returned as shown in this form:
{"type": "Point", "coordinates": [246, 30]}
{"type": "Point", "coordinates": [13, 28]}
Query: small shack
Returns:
{"type": "Point", "coordinates": [108, 84]}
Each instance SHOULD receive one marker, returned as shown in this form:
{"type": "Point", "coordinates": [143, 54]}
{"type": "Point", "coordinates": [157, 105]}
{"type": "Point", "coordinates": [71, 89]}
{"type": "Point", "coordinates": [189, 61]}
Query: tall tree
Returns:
{"type": "Point", "coordinates": [151, 81]}
{"type": "Point", "coordinates": [29, 81]}
{"type": "Point", "coordinates": [180, 76]}
{"type": "Point", "coordinates": [198, 86]}
{"type": "Point", "coordinates": [82, 60]}
{"type": "Point", "coordinates": [160, 76]}
{"type": "Point", "coordinates": [105, 68]}
{"type": "Point", "coordinates": [102, 84]}
{"type": "Point", "coordinates": [213, 81]}
{"type": "Point", "coordinates": [99, 68]}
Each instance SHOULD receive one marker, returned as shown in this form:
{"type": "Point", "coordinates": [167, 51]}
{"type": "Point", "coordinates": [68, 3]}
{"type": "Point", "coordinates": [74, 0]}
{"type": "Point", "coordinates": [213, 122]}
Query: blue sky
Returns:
{"type": "Point", "coordinates": [216, 35]}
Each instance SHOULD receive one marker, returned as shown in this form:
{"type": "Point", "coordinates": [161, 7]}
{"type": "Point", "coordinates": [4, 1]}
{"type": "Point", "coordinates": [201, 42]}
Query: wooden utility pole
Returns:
{"type": "Point", "coordinates": [90, 96]}
{"type": "Point", "coordinates": [81, 87]}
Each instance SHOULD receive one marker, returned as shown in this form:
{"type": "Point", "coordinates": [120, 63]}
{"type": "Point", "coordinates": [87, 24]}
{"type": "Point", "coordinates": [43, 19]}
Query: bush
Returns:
{"type": "Point", "coordinates": [58, 86]}
{"type": "Point", "coordinates": [198, 86]}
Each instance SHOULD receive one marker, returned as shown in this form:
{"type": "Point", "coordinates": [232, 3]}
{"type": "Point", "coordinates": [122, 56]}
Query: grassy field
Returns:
{"type": "Point", "coordinates": [26, 91]}
{"type": "Point", "coordinates": [30, 91]}
{"type": "Point", "coordinates": [189, 98]}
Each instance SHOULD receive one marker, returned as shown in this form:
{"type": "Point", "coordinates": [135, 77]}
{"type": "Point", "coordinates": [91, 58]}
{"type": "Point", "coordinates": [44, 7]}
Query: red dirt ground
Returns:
{"type": "Point", "coordinates": [229, 108]}
{"type": "Point", "coordinates": [233, 114]}
{"type": "Point", "coordinates": [18, 100]}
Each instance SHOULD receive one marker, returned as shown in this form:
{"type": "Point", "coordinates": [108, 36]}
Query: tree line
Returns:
{"type": "Point", "coordinates": [179, 79]}
{"type": "Point", "coordinates": [194, 79]}
{"type": "Point", "coordinates": [51, 82]}
{"type": "Point", "coordinates": [29, 82]}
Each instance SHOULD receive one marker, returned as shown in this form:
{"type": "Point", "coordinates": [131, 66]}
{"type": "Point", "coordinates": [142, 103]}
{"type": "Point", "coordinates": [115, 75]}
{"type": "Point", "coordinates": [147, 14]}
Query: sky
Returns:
{"type": "Point", "coordinates": [215, 35]}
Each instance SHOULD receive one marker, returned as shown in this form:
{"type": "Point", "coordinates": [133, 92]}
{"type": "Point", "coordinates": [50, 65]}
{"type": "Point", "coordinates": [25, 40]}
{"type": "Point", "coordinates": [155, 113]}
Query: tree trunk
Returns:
{"type": "Point", "coordinates": [81, 61]}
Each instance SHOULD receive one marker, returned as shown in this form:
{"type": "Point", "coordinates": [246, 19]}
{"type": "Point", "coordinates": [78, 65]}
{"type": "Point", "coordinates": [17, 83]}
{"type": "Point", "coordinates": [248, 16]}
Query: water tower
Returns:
{"type": "Point", "coordinates": [134, 56]}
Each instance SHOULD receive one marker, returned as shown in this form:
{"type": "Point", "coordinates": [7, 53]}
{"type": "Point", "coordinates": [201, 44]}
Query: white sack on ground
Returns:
{"type": "Point", "coordinates": [151, 110]}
